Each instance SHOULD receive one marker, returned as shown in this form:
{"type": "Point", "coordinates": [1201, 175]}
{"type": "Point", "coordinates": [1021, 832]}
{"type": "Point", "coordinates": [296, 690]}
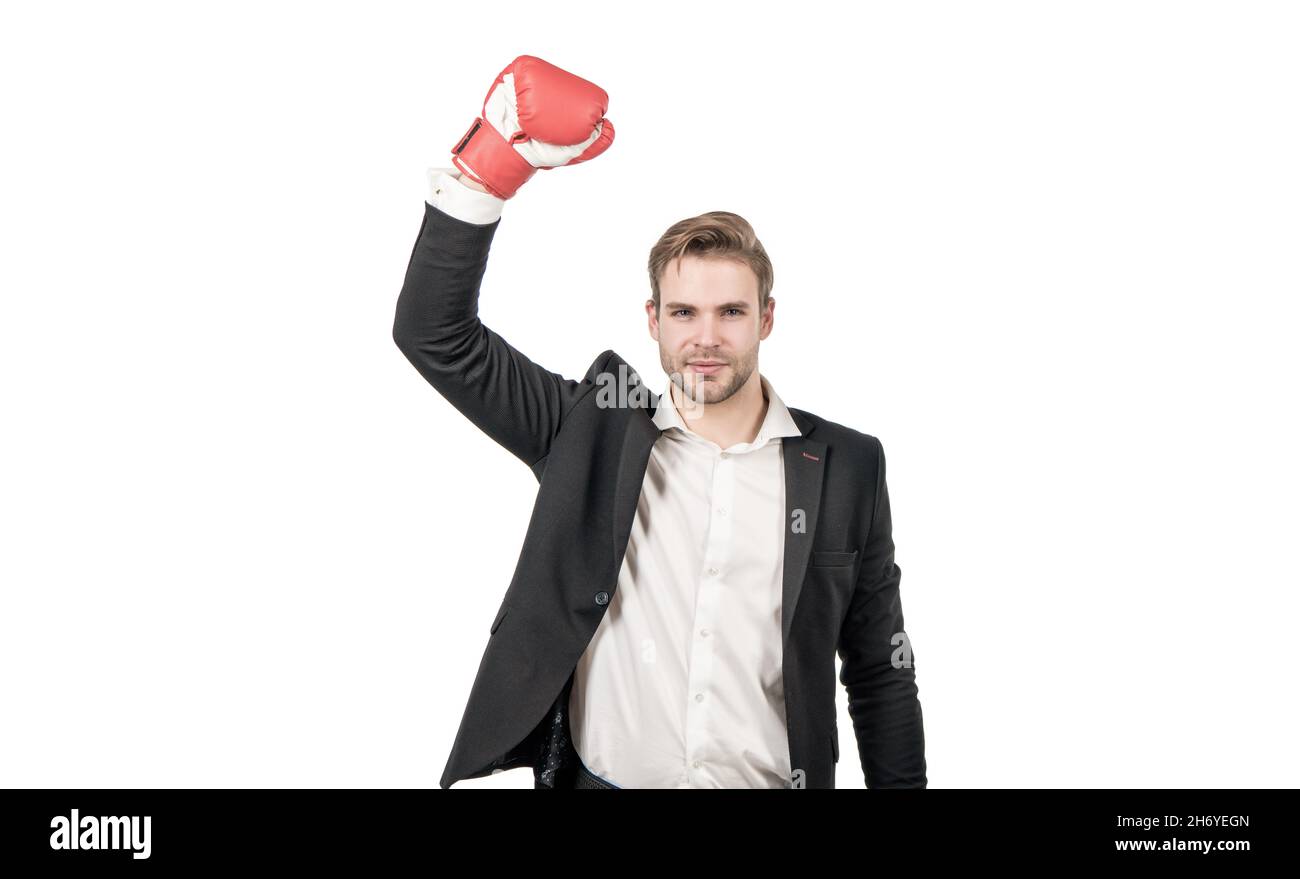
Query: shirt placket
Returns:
{"type": "Point", "coordinates": [708, 609]}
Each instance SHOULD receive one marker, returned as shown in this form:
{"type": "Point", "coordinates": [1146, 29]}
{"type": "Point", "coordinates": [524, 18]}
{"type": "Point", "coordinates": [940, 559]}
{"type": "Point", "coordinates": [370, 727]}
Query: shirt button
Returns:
{"type": "Point", "coordinates": [721, 512]}
{"type": "Point", "coordinates": [602, 597]}
{"type": "Point", "coordinates": [704, 632]}
{"type": "Point", "coordinates": [699, 697]}
{"type": "Point", "coordinates": [713, 572]}
{"type": "Point", "coordinates": [696, 764]}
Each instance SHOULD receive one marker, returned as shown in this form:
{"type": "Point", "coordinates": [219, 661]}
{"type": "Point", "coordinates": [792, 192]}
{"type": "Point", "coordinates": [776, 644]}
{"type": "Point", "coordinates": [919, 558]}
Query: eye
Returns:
{"type": "Point", "coordinates": [681, 311]}
{"type": "Point", "coordinates": [736, 310]}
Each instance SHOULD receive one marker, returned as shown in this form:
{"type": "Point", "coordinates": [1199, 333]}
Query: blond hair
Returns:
{"type": "Point", "coordinates": [717, 234]}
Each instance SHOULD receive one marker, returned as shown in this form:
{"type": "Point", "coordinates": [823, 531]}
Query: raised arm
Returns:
{"type": "Point", "coordinates": [535, 116]}
{"type": "Point", "coordinates": [511, 399]}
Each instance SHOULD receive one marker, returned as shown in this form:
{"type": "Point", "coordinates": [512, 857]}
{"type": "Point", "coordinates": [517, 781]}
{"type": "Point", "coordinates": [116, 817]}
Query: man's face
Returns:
{"type": "Point", "coordinates": [709, 314]}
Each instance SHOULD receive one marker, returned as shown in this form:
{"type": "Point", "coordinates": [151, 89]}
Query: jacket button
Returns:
{"type": "Point", "coordinates": [602, 597]}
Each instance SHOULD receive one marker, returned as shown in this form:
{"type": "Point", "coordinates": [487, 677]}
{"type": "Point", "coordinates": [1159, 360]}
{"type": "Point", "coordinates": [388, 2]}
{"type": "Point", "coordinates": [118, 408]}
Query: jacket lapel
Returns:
{"type": "Point", "coordinates": [804, 465]}
{"type": "Point", "coordinates": [637, 445]}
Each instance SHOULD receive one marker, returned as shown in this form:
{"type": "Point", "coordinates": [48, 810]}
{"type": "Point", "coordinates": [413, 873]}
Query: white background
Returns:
{"type": "Point", "coordinates": [1046, 252]}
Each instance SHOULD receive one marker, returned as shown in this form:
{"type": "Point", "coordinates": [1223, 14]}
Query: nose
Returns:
{"type": "Point", "coordinates": [707, 336]}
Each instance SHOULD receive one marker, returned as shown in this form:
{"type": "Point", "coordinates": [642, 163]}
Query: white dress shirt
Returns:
{"type": "Point", "coordinates": [681, 685]}
{"type": "Point", "coordinates": [455, 199]}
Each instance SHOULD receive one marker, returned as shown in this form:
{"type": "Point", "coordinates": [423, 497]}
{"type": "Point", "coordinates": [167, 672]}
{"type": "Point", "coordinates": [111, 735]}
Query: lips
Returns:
{"type": "Point", "coordinates": [706, 367]}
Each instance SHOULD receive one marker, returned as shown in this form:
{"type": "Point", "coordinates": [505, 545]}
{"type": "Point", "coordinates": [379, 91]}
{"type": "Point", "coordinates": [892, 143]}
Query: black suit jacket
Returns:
{"type": "Point", "coordinates": [588, 443]}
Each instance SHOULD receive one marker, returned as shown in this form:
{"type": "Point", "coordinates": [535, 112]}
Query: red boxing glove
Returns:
{"type": "Point", "coordinates": [535, 116]}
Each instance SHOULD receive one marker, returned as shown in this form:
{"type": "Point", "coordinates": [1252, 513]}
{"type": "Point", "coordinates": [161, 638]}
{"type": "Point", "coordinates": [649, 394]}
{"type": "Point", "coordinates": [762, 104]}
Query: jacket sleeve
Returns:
{"type": "Point", "coordinates": [877, 661]}
{"type": "Point", "coordinates": [511, 399]}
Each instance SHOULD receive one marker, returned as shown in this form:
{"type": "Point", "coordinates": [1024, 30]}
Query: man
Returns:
{"type": "Point", "coordinates": [696, 559]}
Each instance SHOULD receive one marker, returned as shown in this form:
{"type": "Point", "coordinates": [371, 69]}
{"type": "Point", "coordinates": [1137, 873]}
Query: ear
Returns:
{"type": "Point", "coordinates": [767, 319]}
{"type": "Point", "coordinates": [652, 318]}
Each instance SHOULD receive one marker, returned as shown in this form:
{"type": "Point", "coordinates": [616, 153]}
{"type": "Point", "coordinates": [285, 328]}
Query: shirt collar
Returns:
{"type": "Point", "coordinates": [777, 422]}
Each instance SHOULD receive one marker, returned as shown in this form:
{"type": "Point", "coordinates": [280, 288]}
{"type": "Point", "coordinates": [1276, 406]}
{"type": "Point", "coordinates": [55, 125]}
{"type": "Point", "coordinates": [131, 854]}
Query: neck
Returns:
{"type": "Point", "coordinates": [734, 420]}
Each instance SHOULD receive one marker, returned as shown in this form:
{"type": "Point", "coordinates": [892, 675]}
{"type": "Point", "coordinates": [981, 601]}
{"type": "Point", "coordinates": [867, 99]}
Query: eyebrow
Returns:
{"type": "Point", "coordinates": [676, 305]}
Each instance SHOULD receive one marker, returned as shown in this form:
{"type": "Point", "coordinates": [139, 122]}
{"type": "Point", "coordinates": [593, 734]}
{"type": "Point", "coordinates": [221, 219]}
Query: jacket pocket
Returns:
{"type": "Point", "coordinates": [826, 558]}
{"type": "Point", "coordinates": [501, 614]}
